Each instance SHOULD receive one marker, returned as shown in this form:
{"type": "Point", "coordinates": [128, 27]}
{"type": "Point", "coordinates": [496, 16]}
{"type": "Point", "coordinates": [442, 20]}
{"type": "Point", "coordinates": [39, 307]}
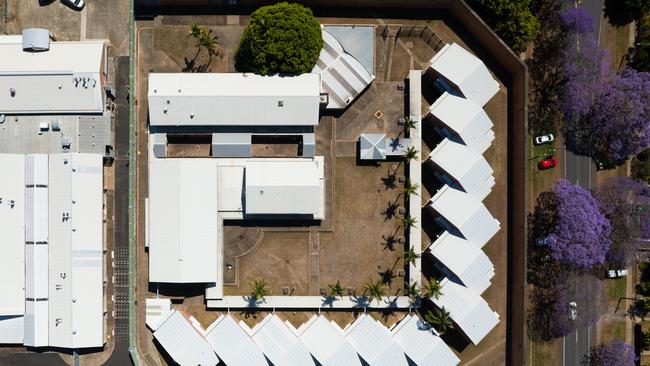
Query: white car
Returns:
{"type": "Point", "coordinates": [77, 4]}
{"type": "Point", "coordinates": [573, 310]}
{"type": "Point", "coordinates": [544, 139]}
{"type": "Point", "coordinates": [616, 273]}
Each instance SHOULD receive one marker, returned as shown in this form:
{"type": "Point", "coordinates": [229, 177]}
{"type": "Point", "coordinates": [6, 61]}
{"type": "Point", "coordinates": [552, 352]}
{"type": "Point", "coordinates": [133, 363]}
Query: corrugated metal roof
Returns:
{"type": "Point", "coordinates": [421, 343]}
{"type": "Point", "coordinates": [465, 165]}
{"type": "Point", "coordinates": [232, 344]}
{"type": "Point", "coordinates": [374, 342]}
{"type": "Point", "coordinates": [12, 234]}
{"type": "Point", "coordinates": [11, 329]}
{"type": "Point", "coordinates": [279, 344]}
{"type": "Point", "coordinates": [327, 343]}
{"type": "Point", "coordinates": [472, 314]}
{"type": "Point", "coordinates": [232, 99]}
{"type": "Point", "coordinates": [94, 134]}
{"type": "Point", "coordinates": [183, 342]}
{"type": "Point", "coordinates": [467, 72]}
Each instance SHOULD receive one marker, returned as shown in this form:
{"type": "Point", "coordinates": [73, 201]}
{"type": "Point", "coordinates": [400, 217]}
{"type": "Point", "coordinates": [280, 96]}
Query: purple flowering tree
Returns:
{"type": "Point", "coordinates": [624, 201]}
{"type": "Point", "coordinates": [614, 353]}
{"type": "Point", "coordinates": [618, 123]}
{"type": "Point", "coordinates": [581, 238]}
{"type": "Point", "coordinates": [585, 65]}
{"type": "Point", "coordinates": [583, 290]}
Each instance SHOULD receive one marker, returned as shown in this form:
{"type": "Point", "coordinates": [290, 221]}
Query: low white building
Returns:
{"type": "Point", "coordinates": [327, 343]}
{"type": "Point", "coordinates": [464, 73]}
{"type": "Point", "coordinates": [459, 213]}
{"type": "Point", "coordinates": [461, 166]}
{"type": "Point", "coordinates": [233, 99]}
{"type": "Point", "coordinates": [422, 344]}
{"type": "Point", "coordinates": [67, 78]}
{"type": "Point", "coordinates": [465, 261]}
{"type": "Point", "coordinates": [467, 309]}
{"type": "Point", "coordinates": [374, 342]}
{"type": "Point", "coordinates": [232, 344]}
{"type": "Point", "coordinates": [183, 340]}
{"type": "Point", "coordinates": [279, 344]}
{"type": "Point", "coordinates": [462, 120]}
{"type": "Point", "coordinates": [60, 261]}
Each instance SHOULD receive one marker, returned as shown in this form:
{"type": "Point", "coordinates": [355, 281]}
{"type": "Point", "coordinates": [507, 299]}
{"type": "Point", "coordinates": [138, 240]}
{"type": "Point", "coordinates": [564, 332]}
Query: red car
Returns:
{"type": "Point", "coordinates": [548, 163]}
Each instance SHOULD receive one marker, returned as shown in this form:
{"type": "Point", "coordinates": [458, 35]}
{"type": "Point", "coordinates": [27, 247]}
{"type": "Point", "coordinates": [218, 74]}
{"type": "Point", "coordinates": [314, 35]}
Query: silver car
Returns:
{"type": "Point", "coordinates": [77, 4]}
{"type": "Point", "coordinates": [544, 139]}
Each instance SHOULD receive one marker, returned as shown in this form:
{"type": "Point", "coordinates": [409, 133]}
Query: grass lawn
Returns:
{"type": "Point", "coordinates": [543, 353]}
{"type": "Point", "coordinates": [615, 289]}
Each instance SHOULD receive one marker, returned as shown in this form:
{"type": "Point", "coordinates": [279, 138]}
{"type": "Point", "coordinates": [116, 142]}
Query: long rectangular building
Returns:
{"type": "Point", "coordinates": [233, 99]}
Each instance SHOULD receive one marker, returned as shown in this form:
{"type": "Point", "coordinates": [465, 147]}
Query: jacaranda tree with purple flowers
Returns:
{"type": "Point", "coordinates": [624, 201]}
{"type": "Point", "coordinates": [618, 123]}
{"type": "Point", "coordinates": [581, 238]}
{"type": "Point", "coordinates": [614, 353]}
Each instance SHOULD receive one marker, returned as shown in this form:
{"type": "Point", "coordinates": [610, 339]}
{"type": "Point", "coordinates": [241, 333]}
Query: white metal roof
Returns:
{"type": "Point", "coordinates": [218, 99]}
{"type": "Point", "coordinates": [12, 234]}
{"type": "Point", "coordinates": [467, 72]}
{"type": "Point", "coordinates": [374, 342]}
{"type": "Point", "coordinates": [285, 187]}
{"type": "Point", "coordinates": [76, 271]}
{"type": "Point", "coordinates": [466, 166]}
{"type": "Point", "coordinates": [327, 343]}
{"type": "Point", "coordinates": [279, 344]}
{"type": "Point", "coordinates": [231, 188]}
{"type": "Point", "coordinates": [372, 146]}
{"type": "Point", "coordinates": [468, 310]}
{"type": "Point", "coordinates": [183, 342]}
{"type": "Point", "coordinates": [343, 76]}
{"type": "Point", "coordinates": [466, 214]}
{"type": "Point", "coordinates": [465, 260]}
{"type": "Point", "coordinates": [232, 344]}
{"type": "Point", "coordinates": [183, 221]}
{"type": "Point", "coordinates": [12, 329]}
{"type": "Point", "coordinates": [65, 79]}
{"type": "Point", "coordinates": [465, 118]}
{"type": "Point", "coordinates": [156, 312]}
{"type": "Point", "coordinates": [421, 343]}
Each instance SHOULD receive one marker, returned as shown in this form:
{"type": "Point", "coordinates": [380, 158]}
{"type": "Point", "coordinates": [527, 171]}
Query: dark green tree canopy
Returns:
{"type": "Point", "coordinates": [512, 20]}
{"type": "Point", "coordinates": [282, 38]}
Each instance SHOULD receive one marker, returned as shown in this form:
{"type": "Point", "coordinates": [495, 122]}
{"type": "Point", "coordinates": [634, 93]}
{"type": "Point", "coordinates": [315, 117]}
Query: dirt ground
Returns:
{"type": "Point", "coordinates": [349, 245]}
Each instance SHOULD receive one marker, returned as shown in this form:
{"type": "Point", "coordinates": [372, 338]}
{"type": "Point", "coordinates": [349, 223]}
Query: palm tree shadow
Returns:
{"type": "Point", "coordinates": [391, 209]}
{"type": "Point", "coordinates": [387, 277]}
{"type": "Point", "coordinates": [389, 241]}
{"type": "Point", "coordinates": [390, 180]}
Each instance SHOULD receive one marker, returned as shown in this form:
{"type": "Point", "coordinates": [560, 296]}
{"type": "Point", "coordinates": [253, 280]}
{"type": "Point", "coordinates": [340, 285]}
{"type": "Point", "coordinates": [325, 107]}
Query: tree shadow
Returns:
{"type": "Point", "coordinates": [192, 67]}
{"type": "Point", "coordinates": [390, 180]}
{"type": "Point", "coordinates": [389, 241]}
{"type": "Point", "coordinates": [617, 14]}
{"type": "Point", "coordinates": [391, 208]}
{"type": "Point", "coordinates": [387, 276]}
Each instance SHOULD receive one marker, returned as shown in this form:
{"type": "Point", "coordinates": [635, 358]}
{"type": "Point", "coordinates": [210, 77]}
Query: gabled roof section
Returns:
{"type": "Point", "coordinates": [465, 260]}
{"type": "Point", "coordinates": [183, 342]}
{"type": "Point", "coordinates": [468, 310]}
{"type": "Point", "coordinates": [466, 72]}
{"type": "Point", "coordinates": [232, 344]}
{"type": "Point", "coordinates": [465, 118]}
{"type": "Point", "coordinates": [374, 342]}
{"type": "Point", "coordinates": [422, 344]}
{"type": "Point", "coordinates": [279, 344]}
{"type": "Point", "coordinates": [327, 343]}
{"type": "Point", "coordinates": [469, 216]}
{"type": "Point", "coordinates": [465, 165]}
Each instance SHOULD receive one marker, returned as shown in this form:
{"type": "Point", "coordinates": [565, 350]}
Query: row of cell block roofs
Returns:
{"type": "Point", "coordinates": [318, 341]}
{"type": "Point", "coordinates": [466, 178]}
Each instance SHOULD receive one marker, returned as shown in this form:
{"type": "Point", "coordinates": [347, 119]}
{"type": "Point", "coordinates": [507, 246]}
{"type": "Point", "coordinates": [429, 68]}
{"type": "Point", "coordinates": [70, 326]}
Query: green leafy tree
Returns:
{"type": "Point", "coordinates": [260, 290]}
{"type": "Point", "coordinates": [375, 290]}
{"type": "Point", "coordinates": [410, 256]}
{"type": "Point", "coordinates": [432, 289]}
{"type": "Point", "coordinates": [336, 289]}
{"type": "Point", "coordinates": [409, 221]}
{"type": "Point", "coordinates": [512, 20]}
{"type": "Point", "coordinates": [282, 38]}
{"type": "Point", "coordinates": [410, 188]}
{"type": "Point", "coordinates": [410, 154]}
{"type": "Point", "coordinates": [412, 291]}
{"type": "Point", "coordinates": [439, 319]}
{"type": "Point", "coordinates": [409, 124]}
{"type": "Point", "coordinates": [204, 39]}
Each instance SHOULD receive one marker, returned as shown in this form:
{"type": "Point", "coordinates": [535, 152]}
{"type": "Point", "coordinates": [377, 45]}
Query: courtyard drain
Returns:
{"type": "Point", "coordinates": [379, 114]}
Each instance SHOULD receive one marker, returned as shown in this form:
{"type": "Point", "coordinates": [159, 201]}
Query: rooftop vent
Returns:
{"type": "Point", "coordinates": [36, 40]}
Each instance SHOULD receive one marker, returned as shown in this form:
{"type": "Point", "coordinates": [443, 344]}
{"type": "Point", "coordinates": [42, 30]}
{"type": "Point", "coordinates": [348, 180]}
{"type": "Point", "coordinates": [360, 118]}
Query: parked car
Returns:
{"type": "Point", "coordinates": [76, 4]}
{"type": "Point", "coordinates": [616, 273]}
{"type": "Point", "coordinates": [547, 163]}
{"type": "Point", "coordinates": [544, 139]}
{"type": "Point", "coordinates": [546, 241]}
{"type": "Point", "coordinates": [573, 310]}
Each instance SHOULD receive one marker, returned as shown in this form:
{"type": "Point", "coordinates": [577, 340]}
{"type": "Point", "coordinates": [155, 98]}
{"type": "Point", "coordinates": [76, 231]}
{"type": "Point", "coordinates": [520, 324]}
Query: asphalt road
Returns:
{"type": "Point", "coordinates": [581, 170]}
{"type": "Point", "coordinates": [120, 355]}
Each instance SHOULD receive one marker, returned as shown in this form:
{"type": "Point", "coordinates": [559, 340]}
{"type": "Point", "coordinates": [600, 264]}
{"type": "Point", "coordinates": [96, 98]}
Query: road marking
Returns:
{"type": "Point", "coordinates": [577, 330]}
{"type": "Point", "coordinates": [84, 19]}
{"type": "Point", "coordinates": [563, 351]}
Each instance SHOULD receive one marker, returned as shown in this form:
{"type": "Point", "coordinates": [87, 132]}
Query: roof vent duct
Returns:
{"type": "Point", "coordinates": [36, 40]}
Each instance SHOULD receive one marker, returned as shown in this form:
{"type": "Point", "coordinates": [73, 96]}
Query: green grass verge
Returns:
{"type": "Point", "coordinates": [615, 289]}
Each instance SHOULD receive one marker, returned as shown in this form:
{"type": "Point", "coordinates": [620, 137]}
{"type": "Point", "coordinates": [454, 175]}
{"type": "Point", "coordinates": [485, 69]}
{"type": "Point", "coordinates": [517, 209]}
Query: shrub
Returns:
{"type": "Point", "coordinates": [641, 166]}
{"type": "Point", "coordinates": [614, 353]}
{"type": "Point", "coordinates": [282, 38]}
{"type": "Point", "coordinates": [512, 20]}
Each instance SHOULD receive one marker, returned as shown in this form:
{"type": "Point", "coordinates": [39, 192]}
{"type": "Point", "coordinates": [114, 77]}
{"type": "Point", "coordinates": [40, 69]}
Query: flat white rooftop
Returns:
{"type": "Point", "coordinates": [233, 99]}
{"type": "Point", "coordinates": [466, 72]}
{"type": "Point", "coordinates": [12, 234]}
{"type": "Point", "coordinates": [66, 79]}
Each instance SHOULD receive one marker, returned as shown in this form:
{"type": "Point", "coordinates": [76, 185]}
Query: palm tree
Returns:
{"type": "Point", "coordinates": [409, 188]}
{"type": "Point", "coordinates": [409, 221]}
{"type": "Point", "coordinates": [375, 290]}
{"type": "Point", "coordinates": [410, 256]}
{"type": "Point", "coordinates": [209, 43]}
{"type": "Point", "coordinates": [336, 289]}
{"type": "Point", "coordinates": [260, 290]}
{"type": "Point", "coordinates": [432, 289]}
{"type": "Point", "coordinates": [439, 319]}
{"type": "Point", "coordinates": [409, 124]}
{"type": "Point", "coordinates": [412, 291]}
{"type": "Point", "coordinates": [410, 154]}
